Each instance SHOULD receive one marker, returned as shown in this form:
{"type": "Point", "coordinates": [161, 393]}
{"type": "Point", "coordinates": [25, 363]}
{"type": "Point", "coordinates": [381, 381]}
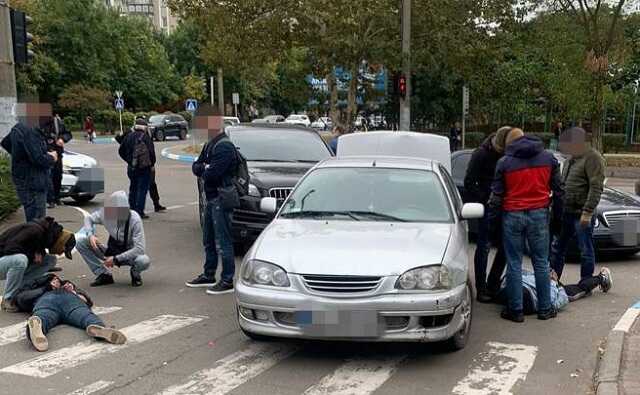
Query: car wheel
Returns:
{"type": "Point", "coordinates": [83, 198]}
{"type": "Point", "coordinates": [459, 340]}
{"type": "Point", "coordinates": [183, 134]}
{"type": "Point", "coordinates": [160, 135]}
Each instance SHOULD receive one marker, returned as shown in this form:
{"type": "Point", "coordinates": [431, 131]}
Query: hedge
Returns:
{"type": "Point", "coordinates": [186, 115]}
{"type": "Point", "coordinates": [8, 200]}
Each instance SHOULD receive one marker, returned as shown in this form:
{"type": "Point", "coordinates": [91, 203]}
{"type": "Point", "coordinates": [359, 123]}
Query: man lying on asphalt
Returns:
{"type": "Point", "coordinates": [126, 244]}
{"type": "Point", "coordinates": [23, 255]}
{"type": "Point", "coordinates": [61, 302]}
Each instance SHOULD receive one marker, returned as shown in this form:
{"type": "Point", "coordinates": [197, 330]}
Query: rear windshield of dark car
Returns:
{"type": "Point", "coordinates": [280, 145]}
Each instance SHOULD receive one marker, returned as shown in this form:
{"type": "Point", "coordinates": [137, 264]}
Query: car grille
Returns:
{"type": "Point", "coordinates": [280, 193]}
{"type": "Point", "coordinates": [341, 284]}
{"type": "Point", "coordinates": [615, 218]}
{"type": "Point", "coordinates": [252, 217]}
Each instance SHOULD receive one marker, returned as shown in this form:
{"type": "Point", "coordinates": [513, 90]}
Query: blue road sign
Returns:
{"type": "Point", "coordinates": [191, 105]}
{"type": "Point", "coordinates": [119, 104]}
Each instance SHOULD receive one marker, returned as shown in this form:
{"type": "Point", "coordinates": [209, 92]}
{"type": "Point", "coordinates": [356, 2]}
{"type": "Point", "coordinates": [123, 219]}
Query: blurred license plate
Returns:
{"type": "Point", "coordinates": [362, 323]}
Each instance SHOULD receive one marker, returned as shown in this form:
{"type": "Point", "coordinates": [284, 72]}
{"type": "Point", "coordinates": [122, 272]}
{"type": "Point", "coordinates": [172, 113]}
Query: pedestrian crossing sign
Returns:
{"type": "Point", "coordinates": [191, 105]}
{"type": "Point", "coordinates": [119, 104]}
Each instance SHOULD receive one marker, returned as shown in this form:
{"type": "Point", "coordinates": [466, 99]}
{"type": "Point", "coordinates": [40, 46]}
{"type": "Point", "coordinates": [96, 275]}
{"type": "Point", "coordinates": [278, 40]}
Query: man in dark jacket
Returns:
{"type": "Point", "coordinates": [477, 186]}
{"type": "Point", "coordinates": [56, 142]}
{"type": "Point", "coordinates": [138, 151]}
{"type": "Point", "coordinates": [583, 177]}
{"type": "Point", "coordinates": [527, 182]}
{"type": "Point", "coordinates": [30, 161]}
{"type": "Point", "coordinates": [215, 166]}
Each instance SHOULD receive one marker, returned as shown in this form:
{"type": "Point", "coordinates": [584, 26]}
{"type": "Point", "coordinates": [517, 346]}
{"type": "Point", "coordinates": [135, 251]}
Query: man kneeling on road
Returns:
{"type": "Point", "coordinates": [23, 255]}
{"type": "Point", "coordinates": [126, 245]}
{"type": "Point", "coordinates": [61, 302]}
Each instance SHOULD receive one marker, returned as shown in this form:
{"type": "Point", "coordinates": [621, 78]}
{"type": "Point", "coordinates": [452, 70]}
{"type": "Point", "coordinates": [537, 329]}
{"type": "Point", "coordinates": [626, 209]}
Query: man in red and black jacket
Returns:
{"type": "Point", "coordinates": [527, 182]}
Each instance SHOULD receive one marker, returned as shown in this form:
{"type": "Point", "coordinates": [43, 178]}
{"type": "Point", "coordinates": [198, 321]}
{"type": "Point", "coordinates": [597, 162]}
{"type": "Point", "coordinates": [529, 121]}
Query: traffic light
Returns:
{"type": "Point", "coordinates": [392, 84]}
{"type": "Point", "coordinates": [21, 38]}
{"type": "Point", "coordinates": [402, 86]}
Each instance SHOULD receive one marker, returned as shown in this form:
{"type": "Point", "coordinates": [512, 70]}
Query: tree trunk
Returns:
{"type": "Point", "coordinates": [597, 138]}
{"type": "Point", "coordinates": [352, 105]}
{"type": "Point", "coordinates": [333, 99]}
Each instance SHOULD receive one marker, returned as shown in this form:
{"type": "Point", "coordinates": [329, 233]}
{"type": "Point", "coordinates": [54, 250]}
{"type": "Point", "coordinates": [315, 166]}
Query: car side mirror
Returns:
{"type": "Point", "coordinates": [166, 121]}
{"type": "Point", "coordinates": [472, 211]}
{"type": "Point", "coordinates": [268, 205]}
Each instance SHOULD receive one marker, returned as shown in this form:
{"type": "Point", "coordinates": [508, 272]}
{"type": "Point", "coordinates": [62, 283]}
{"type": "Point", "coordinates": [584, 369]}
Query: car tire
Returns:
{"type": "Point", "coordinates": [160, 136]}
{"type": "Point", "coordinates": [459, 340]}
{"type": "Point", "coordinates": [83, 198]}
{"type": "Point", "coordinates": [183, 134]}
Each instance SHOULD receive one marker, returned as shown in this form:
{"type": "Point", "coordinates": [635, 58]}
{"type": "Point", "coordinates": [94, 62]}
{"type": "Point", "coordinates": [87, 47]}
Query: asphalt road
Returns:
{"type": "Point", "coordinates": [184, 341]}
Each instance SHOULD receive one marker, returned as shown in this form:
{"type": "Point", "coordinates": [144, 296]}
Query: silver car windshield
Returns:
{"type": "Point", "coordinates": [370, 194]}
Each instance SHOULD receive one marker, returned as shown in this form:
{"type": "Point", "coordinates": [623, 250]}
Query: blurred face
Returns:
{"type": "Point", "coordinates": [33, 114]}
{"type": "Point", "coordinates": [573, 145]}
{"type": "Point", "coordinates": [55, 283]}
{"type": "Point", "coordinates": [116, 214]}
{"type": "Point", "coordinates": [210, 126]}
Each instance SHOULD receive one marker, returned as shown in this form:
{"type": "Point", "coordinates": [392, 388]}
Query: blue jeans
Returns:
{"type": "Point", "coordinates": [34, 202]}
{"type": "Point", "coordinates": [62, 307]}
{"type": "Point", "coordinates": [218, 242]}
{"type": "Point", "coordinates": [139, 181]}
{"type": "Point", "coordinates": [95, 259]}
{"type": "Point", "coordinates": [571, 227]}
{"type": "Point", "coordinates": [481, 257]}
{"type": "Point", "coordinates": [12, 269]}
{"type": "Point", "coordinates": [531, 226]}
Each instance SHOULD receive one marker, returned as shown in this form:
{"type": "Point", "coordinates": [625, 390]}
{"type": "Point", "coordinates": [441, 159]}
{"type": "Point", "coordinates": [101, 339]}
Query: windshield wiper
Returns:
{"type": "Point", "coordinates": [373, 214]}
{"type": "Point", "coordinates": [315, 214]}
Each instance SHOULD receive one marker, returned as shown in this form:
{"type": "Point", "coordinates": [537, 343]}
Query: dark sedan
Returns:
{"type": "Point", "coordinates": [277, 157]}
{"type": "Point", "coordinates": [164, 125]}
{"type": "Point", "coordinates": [617, 214]}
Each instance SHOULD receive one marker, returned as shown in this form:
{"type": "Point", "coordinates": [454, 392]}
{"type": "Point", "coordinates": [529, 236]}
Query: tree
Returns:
{"type": "Point", "coordinates": [194, 87]}
{"type": "Point", "coordinates": [81, 100]}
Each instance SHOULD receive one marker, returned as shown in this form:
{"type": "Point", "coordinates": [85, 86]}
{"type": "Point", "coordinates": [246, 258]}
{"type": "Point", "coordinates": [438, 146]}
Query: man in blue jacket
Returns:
{"type": "Point", "coordinates": [215, 166]}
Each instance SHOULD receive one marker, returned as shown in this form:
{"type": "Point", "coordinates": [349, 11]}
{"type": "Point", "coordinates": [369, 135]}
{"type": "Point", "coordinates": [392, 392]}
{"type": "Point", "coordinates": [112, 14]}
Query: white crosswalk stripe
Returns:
{"type": "Point", "coordinates": [16, 332]}
{"type": "Point", "coordinates": [233, 370]}
{"type": "Point", "coordinates": [357, 377]}
{"type": "Point", "coordinates": [497, 370]}
{"type": "Point", "coordinates": [91, 388]}
{"type": "Point", "coordinates": [80, 353]}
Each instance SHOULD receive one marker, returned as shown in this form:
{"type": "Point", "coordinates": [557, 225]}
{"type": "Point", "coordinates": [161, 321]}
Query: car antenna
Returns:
{"type": "Point", "coordinates": [374, 163]}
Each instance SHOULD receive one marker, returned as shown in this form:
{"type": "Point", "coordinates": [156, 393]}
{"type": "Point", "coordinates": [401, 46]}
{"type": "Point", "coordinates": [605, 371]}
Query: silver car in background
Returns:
{"type": "Point", "coordinates": [370, 248]}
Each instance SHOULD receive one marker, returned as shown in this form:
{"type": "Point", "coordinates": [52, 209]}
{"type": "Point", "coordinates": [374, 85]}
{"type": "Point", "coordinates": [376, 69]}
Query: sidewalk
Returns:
{"type": "Point", "coordinates": [630, 370]}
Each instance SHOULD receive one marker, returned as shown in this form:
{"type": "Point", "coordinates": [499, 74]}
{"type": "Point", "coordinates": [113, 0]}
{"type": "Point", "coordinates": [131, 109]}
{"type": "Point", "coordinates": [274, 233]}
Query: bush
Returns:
{"type": "Point", "coordinates": [70, 122]}
{"type": "Point", "coordinates": [8, 199]}
{"type": "Point", "coordinates": [81, 100]}
{"type": "Point", "coordinates": [109, 119]}
{"type": "Point", "coordinates": [186, 115]}
{"type": "Point", "coordinates": [128, 118]}
{"type": "Point", "coordinates": [614, 142]}
{"type": "Point", "coordinates": [473, 139]}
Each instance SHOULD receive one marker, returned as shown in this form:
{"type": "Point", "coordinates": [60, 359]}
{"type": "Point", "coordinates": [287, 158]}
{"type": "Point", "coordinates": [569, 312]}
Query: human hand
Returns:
{"type": "Point", "coordinates": [60, 143]}
{"type": "Point", "coordinates": [93, 241]}
{"type": "Point", "coordinates": [585, 219]}
{"type": "Point", "coordinates": [37, 258]}
{"type": "Point", "coordinates": [108, 262]}
{"type": "Point", "coordinates": [54, 155]}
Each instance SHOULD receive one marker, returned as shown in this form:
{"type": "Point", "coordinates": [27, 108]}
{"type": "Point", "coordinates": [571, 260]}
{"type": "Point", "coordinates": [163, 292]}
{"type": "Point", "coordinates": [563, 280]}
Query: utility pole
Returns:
{"type": "Point", "coordinates": [405, 100]}
{"type": "Point", "coordinates": [8, 92]}
{"type": "Point", "coordinates": [211, 90]}
{"type": "Point", "coordinates": [220, 92]}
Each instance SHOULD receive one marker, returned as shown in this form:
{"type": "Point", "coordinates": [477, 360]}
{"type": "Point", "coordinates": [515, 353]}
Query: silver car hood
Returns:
{"type": "Point", "coordinates": [350, 247]}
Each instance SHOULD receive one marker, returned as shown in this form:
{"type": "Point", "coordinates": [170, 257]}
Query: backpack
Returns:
{"type": "Point", "coordinates": [240, 174]}
{"type": "Point", "coordinates": [141, 158]}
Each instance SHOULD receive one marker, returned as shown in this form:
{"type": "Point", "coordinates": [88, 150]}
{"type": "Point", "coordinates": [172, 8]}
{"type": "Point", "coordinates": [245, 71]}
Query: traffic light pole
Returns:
{"type": "Point", "coordinates": [405, 100]}
{"type": "Point", "coordinates": [8, 91]}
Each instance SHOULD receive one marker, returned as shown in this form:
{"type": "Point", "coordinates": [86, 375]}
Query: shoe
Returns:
{"type": "Point", "coordinates": [59, 202]}
{"type": "Point", "coordinates": [103, 279]}
{"type": "Point", "coordinates": [136, 278]}
{"type": "Point", "coordinates": [8, 306]}
{"type": "Point", "coordinates": [201, 282]}
{"type": "Point", "coordinates": [51, 205]}
{"type": "Point", "coordinates": [159, 208]}
{"type": "Point", "coordinates": [36, 335]}
{"type": "Point", "coordinates": [512, 316]}
{"type": "Point", "coordinates": [607, 280]}
{"type": "Point", "coordinates": [109, 335]}
{"type": "Point", "coordinates": [484, 297]}
{"type": "Point", "coordinates": [144, 216]}
{"type": "Point", "coordinates": [220, 288]}
{"type": "Point", "coordinates": [551, 313]}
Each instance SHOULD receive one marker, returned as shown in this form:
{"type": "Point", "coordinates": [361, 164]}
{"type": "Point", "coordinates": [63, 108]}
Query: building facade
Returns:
{"type": "Point", "coordinates": [156, 11]}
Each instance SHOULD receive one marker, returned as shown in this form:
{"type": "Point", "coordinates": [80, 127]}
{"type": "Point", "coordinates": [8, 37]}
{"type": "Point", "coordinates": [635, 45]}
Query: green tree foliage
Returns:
{"type": "Point", "coordinates": [81, 100]}
{"type": "Point", "coordinates": [194, 87]}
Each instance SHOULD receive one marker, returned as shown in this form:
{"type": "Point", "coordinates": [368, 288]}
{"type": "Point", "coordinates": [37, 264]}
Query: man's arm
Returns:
{"type": "Point", "coordinates": [198, 166]}
{"type": "Point", "coordinates": [90, 222]}
{"type": "Point", "coordinates": [497, 187]}
{"type": "Point", "coordinates": [152, 150]}
{"type": "Point", "coordinates": [594, 167]}
{"type": "Point", "coordinates": [26, 236]}
{"type": "Point", "coordinates": [557, 189]}
{"type": "Point", "coordinates": [220, 163]}
{"type": "Point", "coordinates": [471, 185]}
{"type": "Point", "coordinates": [138, 248]}
{"type": "Point", "coordinates": [124, 151]}
{"type": "Point", "coordinates": [36, 150]}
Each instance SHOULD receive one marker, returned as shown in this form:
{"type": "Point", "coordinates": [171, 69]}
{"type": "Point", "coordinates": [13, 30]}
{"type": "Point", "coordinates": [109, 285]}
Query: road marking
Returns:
{"type": "Point", "coordinates": [84, 212]}
{"type": "Point", "coordinates": [627, 319]}
{"type": "Point", "coordinates": [233, 370]}
{"type": "Point", "coordinates": [175, 207]}
{"type": "Point", "coordinates": [498, 370]}
{"type": "Point", "coordinates": [91, 388]}
{"type": "Point", "coordinates": [357, 376]}
{"type": "Point", "coordinates": [17, 332]}
{"type": "Point", "coordinates": [79, 353]}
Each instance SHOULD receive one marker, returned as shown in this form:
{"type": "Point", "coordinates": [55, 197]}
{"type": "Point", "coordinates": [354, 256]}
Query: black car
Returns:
{"type": "Point", "coordinates": [277, 157]}
{"type": "Point", "coordinates": [163, 125]}
{"type": "Point", "coordinates": [617, 214]}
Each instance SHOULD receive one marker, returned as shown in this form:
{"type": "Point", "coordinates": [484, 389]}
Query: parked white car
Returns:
{"type": "Point", "coordinates": [370, 248]}
{"type": "Point", "coordinates": [298, 119]}
{"type": "Point", "coordinates": [82, 177]}
{"type": "Point", "coordinates": [322, 123]}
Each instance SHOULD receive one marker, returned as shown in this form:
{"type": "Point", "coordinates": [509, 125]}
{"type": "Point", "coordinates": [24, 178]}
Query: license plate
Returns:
{"type": "Point", "coordinates": [361, 323]}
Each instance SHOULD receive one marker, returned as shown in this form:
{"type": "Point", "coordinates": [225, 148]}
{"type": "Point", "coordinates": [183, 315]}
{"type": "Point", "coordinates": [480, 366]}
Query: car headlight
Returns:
{"type": "Point", "coordinates": [424, 278]}
{"type": "Point", "coordinates": [596, 223]}
{"type": "Point", "coordinates": [66, 169]}
{"type": "Point", "coordinates": [254, 191]}
{"type": "Point", "coordinates": [263, 273]}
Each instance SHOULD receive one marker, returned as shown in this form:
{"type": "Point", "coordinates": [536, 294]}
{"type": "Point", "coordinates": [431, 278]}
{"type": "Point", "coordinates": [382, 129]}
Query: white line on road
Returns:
{"type": "Point", "coordinates": [91, 388]}
{"type": "Point", "coordinates": [72, 356]}
{"type": "Point", "coordinates": [175, 207]}
{"type": "Point", "coordinates": [358, 376]}
{"type": "Point", "coordinates": [233, 370]}
{"type": "Point", "coordinates": [498, 370]}
{"type": "Point", "coordinates": [17, 332]}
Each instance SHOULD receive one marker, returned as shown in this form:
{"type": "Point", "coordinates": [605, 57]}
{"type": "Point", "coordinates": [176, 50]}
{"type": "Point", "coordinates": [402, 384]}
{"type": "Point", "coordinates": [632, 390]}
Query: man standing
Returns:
{"type": "Point", "coordinates": [583, 177]}
{"type": "Point", "coordinates": [56, 142]}
{"type": "Point", "coordinates": [30, 161]}
{"type": "Point", "coordinates": [138, 151]}
{"type": "Point", "coordinates": [455, 137]}
{"type": "Point", "coordinates": [524, 182]}
{"type": "Point", "coordinates": [215, 166]}
{"type": "Point", "coordinates": [126, 244]}
{"type": "Point", "coordinates": [477, 185]}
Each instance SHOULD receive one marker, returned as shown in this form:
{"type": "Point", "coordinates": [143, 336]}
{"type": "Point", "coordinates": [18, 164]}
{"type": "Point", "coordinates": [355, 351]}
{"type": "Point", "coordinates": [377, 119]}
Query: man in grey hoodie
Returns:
{"type": "Point", "coordinates": [126, 245]}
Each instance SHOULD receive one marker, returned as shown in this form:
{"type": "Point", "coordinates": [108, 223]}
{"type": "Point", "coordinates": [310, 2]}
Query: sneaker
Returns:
{"type": "Point", "coordinates": [552, 313]}
{"type": "Point", "coordinates": [220, 288]}
{"type": "Point", "coordinates": [136, 278]}
{"type": "Point", "coordinates": [512, 316]}
{"type": "Point", "coordinates": [110, 335]}
{"type": "Point", "coordinates": [607, 280]}
{"type": "Point", "coordinates": [159, 208]}
{"type": "Point", "coordinates": [8, 306]}
{"type": "Point", "coordinates": [51, 205]}
{"type": "Point", "coordinates": [103, 279]}
{"type": "Point", "coordinates": [36, 335]}
{"type": "Point", "coordinates": [144, 216]}
{"type": "Point", "coordinates": [201, 282]}
{"type": "Point", "coordinates": [484, 297]}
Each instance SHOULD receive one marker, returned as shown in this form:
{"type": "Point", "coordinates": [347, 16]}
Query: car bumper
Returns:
{"type": "Point", "coordinates": [415, 317]}
{"type": "Point", "coordinates": [248, 221]}
{"type": "Point", "coordinates": [84, 182]}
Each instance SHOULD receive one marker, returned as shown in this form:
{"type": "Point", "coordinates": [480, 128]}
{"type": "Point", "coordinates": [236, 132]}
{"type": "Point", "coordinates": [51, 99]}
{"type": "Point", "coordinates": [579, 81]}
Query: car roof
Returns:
{"type": "Point", "coordinates": [269, 126]}
{"type": "Point", "coordinates": [387, 162]}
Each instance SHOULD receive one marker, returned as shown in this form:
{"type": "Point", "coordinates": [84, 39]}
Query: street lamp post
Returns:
{"type": "Point", "coordinates": [405, 100]}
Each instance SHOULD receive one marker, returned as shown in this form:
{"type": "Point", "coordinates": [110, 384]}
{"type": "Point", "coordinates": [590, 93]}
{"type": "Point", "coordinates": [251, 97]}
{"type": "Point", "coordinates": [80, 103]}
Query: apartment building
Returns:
{"type": "Point", "coordinates": [156, 11]}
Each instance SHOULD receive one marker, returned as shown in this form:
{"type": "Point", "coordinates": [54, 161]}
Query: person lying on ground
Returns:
{"type": "Point", "coordinates": [64, 303]}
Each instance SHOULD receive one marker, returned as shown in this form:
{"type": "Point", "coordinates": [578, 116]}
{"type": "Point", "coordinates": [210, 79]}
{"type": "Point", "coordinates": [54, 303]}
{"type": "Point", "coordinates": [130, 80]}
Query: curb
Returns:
{"type": "Point", "coordinates": [104, 140]}
{"type": "Point", "coordinates": [166, 153]}
{"type": "Point", "coordinates": [607, 376]}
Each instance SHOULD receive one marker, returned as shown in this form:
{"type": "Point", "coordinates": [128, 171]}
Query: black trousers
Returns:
{"type": "Point", "coordinates": [153, 189]}
{"type": "Point", "coordinates": [55, 183]}
{"type": "Point", "coordinates": [582, 289]}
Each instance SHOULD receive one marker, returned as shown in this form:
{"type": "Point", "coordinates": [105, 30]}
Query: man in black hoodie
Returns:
{"type": "Point", "coordinates": [477, 185]}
